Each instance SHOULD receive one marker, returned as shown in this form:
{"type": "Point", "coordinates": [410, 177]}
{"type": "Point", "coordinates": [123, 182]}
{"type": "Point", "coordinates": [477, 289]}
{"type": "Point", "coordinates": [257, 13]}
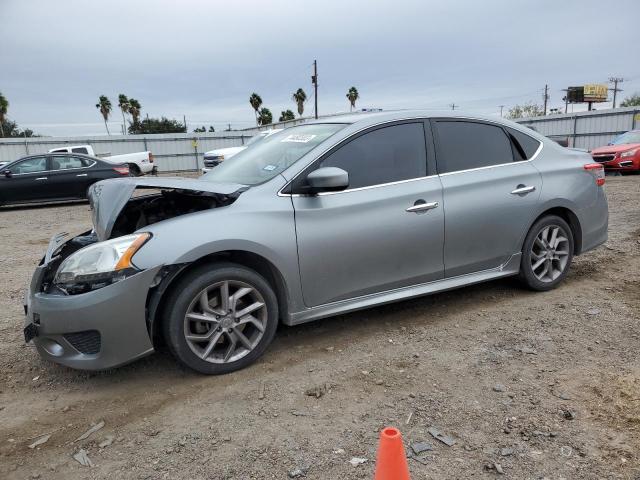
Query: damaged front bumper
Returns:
{"type": "Point", "coordinates": [96, 330]}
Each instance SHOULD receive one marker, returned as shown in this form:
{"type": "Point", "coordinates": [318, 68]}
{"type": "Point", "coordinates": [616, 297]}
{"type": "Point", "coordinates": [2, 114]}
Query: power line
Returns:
{"type": "Point", "coordinates": [545, 97]}
{"type": "Point", "coordinates": [615, 89]}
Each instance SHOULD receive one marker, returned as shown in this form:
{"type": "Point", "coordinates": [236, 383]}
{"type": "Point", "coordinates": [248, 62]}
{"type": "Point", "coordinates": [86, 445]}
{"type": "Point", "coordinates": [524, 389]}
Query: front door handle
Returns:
{"type": "Point", "coordinates": [41, 178]}
{"type": "Point", "coordinates": [523, 190]}
{"type": "Point", "coordinates": [421, 207]}
{"type": "Point", "coordinates": [81, 175]}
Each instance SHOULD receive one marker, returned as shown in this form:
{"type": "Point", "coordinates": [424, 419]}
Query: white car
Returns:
{"type": "Point", "coordinates": [139, 163]}
{"type": "Point", "coordinates": [213, 158]}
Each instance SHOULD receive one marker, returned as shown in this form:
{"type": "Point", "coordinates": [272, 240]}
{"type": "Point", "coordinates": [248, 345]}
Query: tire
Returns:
{"type": "Point", "coordinates": [210, 347]}
{"type": "Point", "coordinates": [134, 170]}
{"type": "Point", "coordinates": [555, 261]}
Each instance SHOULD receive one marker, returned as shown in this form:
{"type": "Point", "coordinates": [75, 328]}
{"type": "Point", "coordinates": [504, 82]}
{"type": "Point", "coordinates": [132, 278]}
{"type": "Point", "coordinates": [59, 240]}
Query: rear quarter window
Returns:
{"type": "Point", "coordinates": [525, 146]}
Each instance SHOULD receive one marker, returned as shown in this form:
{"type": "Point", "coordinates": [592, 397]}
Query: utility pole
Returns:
{"type": "Point", "coordinates": [314, 81]}
{"type": "Point", "coordinates": [546, 98]}
{"type": "Point", "coordinates": [453, 106]}
{"type": "Point", "coordinates": [501, 107]}
{"type": "Point", "coordinates": [615, 89]}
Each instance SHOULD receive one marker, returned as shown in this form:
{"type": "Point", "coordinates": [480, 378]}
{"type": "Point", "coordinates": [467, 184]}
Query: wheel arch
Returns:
{"type": "Point", "coordinates": [572, 220]}
{"type": "Point", "coordinates": [157, 297]}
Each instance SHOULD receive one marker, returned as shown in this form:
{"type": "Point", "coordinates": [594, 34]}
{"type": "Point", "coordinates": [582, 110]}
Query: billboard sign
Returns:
{"type": "Point", "coordinates": [595, 92]}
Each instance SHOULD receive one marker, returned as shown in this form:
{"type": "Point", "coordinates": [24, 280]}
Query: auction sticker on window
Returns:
{"type": "Point", "coordinates": [299, 138]}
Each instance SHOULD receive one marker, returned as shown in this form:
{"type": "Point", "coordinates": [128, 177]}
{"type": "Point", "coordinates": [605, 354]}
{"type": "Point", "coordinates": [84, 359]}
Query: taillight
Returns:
{"type": "Point", "coordinates": [150, 157]}
{"type": "Point", "coordinates": [122, 170]}
{"type": "Point", "coordinates": [597, 170]}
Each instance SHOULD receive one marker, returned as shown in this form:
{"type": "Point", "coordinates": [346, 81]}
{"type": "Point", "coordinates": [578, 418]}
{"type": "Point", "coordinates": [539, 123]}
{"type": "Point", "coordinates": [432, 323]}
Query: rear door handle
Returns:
{"type": "Point", "coordinates": [523, 190]}
{"type": "Point", "coordinates": [421, 207]}
{"type": "Point", "coordinates": [41, 178]}
{"type": "Point", "coordinates": [81, 175]}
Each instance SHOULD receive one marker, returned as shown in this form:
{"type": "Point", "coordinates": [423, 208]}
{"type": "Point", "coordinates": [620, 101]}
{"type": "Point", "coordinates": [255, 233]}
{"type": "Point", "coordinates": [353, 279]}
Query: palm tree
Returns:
{"type": "Point", "coordinates": [300, 97]}
{"type": "Point", "coordinates": [265, 117]}
{"type": "Point", "coordinates": [134, 110]}
{"type": "Point", "coordinates": [256, 102]}
{"type": "Point", "coordinates": [4, 107]}
{"type": "Point", "coordinates": [352, 96]}
{"type": "Point", "coordinates": [104, 105]}
{"type": "Point", "coordinates": [286, 115]}
{"type": "Point", "coordinates": [123, 103]}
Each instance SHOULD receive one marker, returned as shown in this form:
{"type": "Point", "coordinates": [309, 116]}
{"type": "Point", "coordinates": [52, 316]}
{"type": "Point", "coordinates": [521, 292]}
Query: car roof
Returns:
{"type": "Point", "coordinates": [365, 119]}
{"type": "Point", "coordinates": [58, 154]}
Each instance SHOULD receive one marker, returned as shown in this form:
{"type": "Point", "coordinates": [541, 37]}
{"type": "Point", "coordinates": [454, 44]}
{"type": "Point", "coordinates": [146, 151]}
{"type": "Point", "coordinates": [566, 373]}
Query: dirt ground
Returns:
{"type": "Point", "coordinates": [530, 385]}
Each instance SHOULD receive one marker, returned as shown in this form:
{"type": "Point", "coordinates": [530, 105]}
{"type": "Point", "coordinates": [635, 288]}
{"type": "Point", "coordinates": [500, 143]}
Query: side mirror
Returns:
{"type": "Point", "coordinates": [327, 179]}
{"type": "Point", "coordinates": [7, 173]}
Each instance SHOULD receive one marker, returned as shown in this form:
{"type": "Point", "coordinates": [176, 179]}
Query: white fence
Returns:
{"type": "Point", "coordinates": [171, 152]}
{"type": "Point", "coordinates": [586, 129]}
{"type": "Point", "coordinates": [184, 151]}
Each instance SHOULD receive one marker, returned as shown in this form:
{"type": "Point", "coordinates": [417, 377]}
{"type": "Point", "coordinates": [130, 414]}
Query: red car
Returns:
{"type": "Point", "coordinates": [622, 154]}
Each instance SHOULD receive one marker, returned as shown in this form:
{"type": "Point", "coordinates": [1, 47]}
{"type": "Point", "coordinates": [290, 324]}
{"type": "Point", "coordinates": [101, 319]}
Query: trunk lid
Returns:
{"type": "Point", "coordinates": [108, 197]}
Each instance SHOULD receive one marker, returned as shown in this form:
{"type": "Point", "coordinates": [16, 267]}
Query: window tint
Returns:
{"type": "Point", "coordinates": [526, 146]}
{"type": "Point", "coordinates": [465, 145]}
{"type": "Point", "coordinates": [384, 155]}
{"type": "Point", "coordinates": [31, 165]}
{"type": "Point", "coordinates": [63, 162]}
{"type": "Point", "coordinates": [79, 150]}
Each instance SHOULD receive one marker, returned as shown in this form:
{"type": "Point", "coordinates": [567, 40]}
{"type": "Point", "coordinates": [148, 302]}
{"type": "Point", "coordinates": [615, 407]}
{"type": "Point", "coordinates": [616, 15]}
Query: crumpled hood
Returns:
{"type": "Point", "coordinates": [108, 197]}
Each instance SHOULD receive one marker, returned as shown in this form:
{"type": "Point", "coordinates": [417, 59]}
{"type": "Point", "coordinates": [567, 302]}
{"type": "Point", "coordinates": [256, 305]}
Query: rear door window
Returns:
{"type": "Point", "coordinates": [66, 162]}
{"type": "Point", "coordinates": [464, 145]}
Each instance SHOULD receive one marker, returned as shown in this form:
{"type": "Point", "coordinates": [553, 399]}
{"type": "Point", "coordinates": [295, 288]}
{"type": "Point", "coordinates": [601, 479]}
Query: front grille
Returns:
{"type": "Point", "coordinates": [87, 342]}
{"type": "Point", "coordinates": [211, 163]}
{"type": "Point", "coordinates": [603, 158]}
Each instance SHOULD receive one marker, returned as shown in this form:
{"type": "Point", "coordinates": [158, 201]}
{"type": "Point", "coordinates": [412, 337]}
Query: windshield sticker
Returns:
{"type": "Point", "coordinates": [270, 168]}
{"type": "Point", "coordinates": [299, 138]}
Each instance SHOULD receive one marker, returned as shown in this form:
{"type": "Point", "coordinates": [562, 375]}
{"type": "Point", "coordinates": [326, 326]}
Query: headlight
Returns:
{"type": "Point", "coordinates": [628, 153]}
{"type": "Point", "coordinates": [100, 264]}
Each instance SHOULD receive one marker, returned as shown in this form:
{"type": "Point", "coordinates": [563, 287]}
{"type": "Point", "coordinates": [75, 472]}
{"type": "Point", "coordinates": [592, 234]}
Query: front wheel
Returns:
{"type": "Point", "coordinates": [220, 318]}
{"type": "Point", "coordinates": [547, 253]}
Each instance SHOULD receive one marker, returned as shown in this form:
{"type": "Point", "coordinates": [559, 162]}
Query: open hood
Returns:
{"type": "Point", "coordinates": [109, 197]}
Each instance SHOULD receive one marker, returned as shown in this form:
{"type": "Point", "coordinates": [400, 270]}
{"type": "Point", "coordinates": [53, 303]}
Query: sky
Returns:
{"type": "Point", "coordinates": [203, 59]}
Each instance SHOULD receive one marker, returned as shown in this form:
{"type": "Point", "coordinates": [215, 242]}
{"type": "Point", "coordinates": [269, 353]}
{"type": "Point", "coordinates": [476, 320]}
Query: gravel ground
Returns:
{"type": "Point", "coordinates": [533, 385]}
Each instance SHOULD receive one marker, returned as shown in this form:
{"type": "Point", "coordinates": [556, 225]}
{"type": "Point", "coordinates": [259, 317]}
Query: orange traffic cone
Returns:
{"type": "Point", "coordinates": [391, 463]}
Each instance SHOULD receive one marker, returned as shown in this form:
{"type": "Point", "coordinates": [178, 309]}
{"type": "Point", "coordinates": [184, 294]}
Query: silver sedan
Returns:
{"type": "Point", "coordinates": [316, 220]}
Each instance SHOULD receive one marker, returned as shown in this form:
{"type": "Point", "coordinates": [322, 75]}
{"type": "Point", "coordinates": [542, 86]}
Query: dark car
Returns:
{"type": "Point", "coordinates": [54, 176]}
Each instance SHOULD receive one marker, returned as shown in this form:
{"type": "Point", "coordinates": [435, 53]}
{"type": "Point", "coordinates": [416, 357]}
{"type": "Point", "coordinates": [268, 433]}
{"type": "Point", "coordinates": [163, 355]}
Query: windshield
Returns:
{"type": "Point", "coordinates": [256, 139]}
{"type": "Point", "coordinates": [629, 137]}
{"type": "Point", "coordinates": [272, 156]}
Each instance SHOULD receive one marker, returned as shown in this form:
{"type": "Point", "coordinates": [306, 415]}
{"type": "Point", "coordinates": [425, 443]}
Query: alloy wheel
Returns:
{"type": "Point", "coordinates": [225, 321]}
{"type": "Point", "coordinates": [550, 253]}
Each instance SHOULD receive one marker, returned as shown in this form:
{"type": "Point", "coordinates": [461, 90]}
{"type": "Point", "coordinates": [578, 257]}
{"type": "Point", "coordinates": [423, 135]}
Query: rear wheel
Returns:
{"type": "Point", "coordinates": [134, 170]}
{"type": "Point", "coordinates": [547, 253]}
{"type": "Point", "coordinates": [220, 318]}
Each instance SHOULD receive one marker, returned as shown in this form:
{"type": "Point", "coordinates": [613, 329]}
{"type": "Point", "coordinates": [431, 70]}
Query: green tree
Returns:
{"type": "Point", "coordinates": [286, 115]}
{"type": "Point", "coordinates": [256, 102]}
{"type": "Point", "coordinates": [211, 129]}
{"type": "Point", "coordinates": [526, 110]}
{"type": "Point", "coordinates": [155, 125]}
{"type": "Point", "coordinates": [265, 117]}
{"type": "Point", "coordinates": [632, 101]}
{"type": "Point", "coordinates": [199, 129]}
{"type": "Point", "coordinates": [123, 103]}
{"type": "Point", "coordinates": [135, 109]}
{"type": "Point", "coordinates": [10, 129]}
{"type": "Point", "coordinates": [104, 105]}
{"type": "Point", "coordinates": [4, 108]}
{"type": "Point", "coordinates": [352, 96]}
{"type": "Point", "coordinates": [300, 97]}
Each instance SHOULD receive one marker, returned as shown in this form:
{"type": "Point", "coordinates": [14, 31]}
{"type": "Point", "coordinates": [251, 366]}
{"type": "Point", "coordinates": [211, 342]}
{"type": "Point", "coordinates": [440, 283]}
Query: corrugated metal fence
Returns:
{"type": "Point", "coordinates": [172, 152]}
{"type": "Point", "coordinates": [586, 129]}
{"type": "Point", "coordinates": [184, 151]}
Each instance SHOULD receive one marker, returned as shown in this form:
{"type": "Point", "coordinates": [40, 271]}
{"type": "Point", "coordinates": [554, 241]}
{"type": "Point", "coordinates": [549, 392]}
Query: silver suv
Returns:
{"type": "Point", "coordinates": [316, 220]}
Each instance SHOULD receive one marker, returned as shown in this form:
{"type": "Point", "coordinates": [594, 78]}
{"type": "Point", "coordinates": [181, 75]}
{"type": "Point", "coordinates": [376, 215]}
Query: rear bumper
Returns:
{"type": "Point", "coordinates": [595, 222]}
{"type": "Point", "coordinates": [97, 330]}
